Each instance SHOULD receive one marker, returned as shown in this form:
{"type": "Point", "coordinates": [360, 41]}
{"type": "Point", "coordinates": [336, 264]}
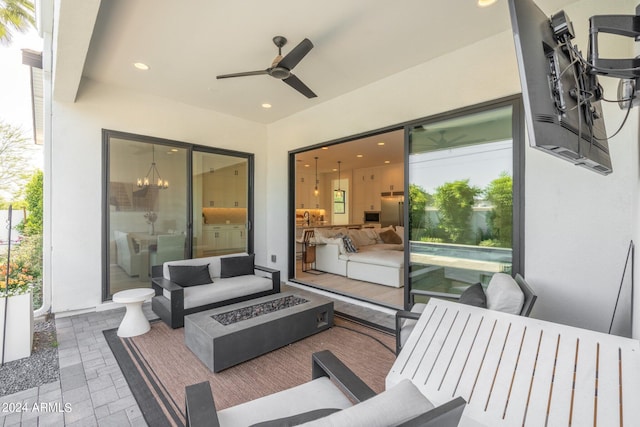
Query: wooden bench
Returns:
{"type": "Point", "coordinates": [513, 370]}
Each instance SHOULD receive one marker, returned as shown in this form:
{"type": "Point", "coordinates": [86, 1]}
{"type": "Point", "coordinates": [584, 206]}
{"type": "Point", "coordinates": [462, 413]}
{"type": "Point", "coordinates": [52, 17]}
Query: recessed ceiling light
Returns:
{"type": "Point", "coordinates": [266, 105]}
{"type": "Point", "coordinates": [175, 150]}
{"type": "Point", "coordinates": [141, 66]}
{"type": "Point", "coordinates": [334, 170]}
{"type": "Point", "coordinates": [359, 155]}
{"type": "Point", "coordinates": [387, 161]}
{"type": "Point", "coordinates": [485, 3]}
{"type": "Point", "coordinates": [306, 166]}
{"type": "Point", "coordinates": [325, 148]}
{"type": "Point", "coordinates": [380, 143]}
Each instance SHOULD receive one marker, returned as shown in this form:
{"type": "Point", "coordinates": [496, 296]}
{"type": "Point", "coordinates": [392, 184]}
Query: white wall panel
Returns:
{"type": "Point", "coordinates": [76, 175]}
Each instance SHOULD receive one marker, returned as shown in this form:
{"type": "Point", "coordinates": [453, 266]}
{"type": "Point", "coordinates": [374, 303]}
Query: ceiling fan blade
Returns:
{"type": "Point", "coordinates": [297, 53]}
{"type": "Point", "coordinates": [297, 84]}
{"type": "Point", "coordinates": [247, 73]}
{"type": "Point", "coordinates": [457, 138]}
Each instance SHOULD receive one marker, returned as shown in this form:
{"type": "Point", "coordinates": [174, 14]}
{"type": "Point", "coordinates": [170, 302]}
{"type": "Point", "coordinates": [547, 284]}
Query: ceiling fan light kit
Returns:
{"type": "Point", "coordinates": [281, 66]}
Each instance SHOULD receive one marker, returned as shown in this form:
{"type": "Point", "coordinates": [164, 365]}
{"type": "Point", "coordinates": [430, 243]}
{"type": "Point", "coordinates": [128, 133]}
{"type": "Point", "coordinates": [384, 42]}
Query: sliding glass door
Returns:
{"type": "Point", "coordinates": [167, 200]}
{"type": "Point", "coordinates": [220, 204]}
{"type": "Point", "coordinates": [147, 209]}
{"type": "Point", "coordinates": [462, 227]}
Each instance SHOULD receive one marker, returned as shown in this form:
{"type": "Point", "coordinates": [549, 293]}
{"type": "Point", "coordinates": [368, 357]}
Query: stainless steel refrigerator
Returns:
{"type": "Point", "coordinates": [392, 211]}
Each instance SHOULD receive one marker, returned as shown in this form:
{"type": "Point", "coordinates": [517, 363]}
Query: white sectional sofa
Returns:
{"type": "Point", "coordinates": [374, 261]}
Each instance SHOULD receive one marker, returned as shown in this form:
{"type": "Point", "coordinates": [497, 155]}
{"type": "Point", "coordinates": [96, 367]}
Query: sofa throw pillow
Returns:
{"type": "Point", "coordinates": [190, 275]}
{"type": "Point", "coordinates": [236, 266]}
{"type": "Point", "coordinates": [474, 295]}
{"type": "Point", "coordinates": [390, 236]}
{"type": "Point", "coordinates": [348, 244]}
{"type": "Point", "coordinates": [297, 419]}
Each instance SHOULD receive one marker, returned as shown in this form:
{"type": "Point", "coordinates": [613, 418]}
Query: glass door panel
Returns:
{"type": "Point", "coordinates": [460, 200]}
{"type": "Point", "coordinates": [147, 212]}
{"type": "Point", "coordinates": [220, 204]}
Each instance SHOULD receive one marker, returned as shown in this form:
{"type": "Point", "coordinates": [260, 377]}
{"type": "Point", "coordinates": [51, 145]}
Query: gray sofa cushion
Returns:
{"type": "Point", "coordinates": [190, 275]}
{"type": "Point", "coordinates": [237, 266]}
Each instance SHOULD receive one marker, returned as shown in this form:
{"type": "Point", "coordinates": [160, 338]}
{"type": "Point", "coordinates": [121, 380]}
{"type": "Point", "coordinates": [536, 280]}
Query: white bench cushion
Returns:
{"type": "Point", "coordinates": [223, 289]}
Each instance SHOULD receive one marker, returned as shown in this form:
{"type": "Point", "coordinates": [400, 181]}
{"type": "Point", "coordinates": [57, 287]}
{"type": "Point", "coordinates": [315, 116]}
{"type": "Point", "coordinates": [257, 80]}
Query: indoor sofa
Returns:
{"type": "Point", "coordinates": [193, 285]}
{"type": "Point", "coordinates": [373, 255]}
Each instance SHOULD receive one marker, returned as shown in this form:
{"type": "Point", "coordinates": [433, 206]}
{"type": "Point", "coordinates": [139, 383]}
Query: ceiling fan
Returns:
{"type": "Point", "coordinates": [442, 141]}
{"type": "Point", "coordinates": [281, 66]}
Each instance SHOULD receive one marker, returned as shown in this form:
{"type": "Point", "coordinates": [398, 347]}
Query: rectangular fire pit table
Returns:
{"type": "Point", "coordinates": [225, 336]}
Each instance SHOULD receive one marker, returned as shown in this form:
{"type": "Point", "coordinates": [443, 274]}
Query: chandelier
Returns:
{"type": "Point", "coordinates": [153, 178]}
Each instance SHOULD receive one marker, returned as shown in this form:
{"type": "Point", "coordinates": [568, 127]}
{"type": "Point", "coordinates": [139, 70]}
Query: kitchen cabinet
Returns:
{"type": "Point", "coordinates": [305, 185]}
{"type": "Point", "coordinates": [366, 187]}
{"type": "Point", "coordinates": [392, 179]}
{"type": "Point", "coordinates": [224, 238]}
{"type": "Point", "coordinates": [237, 237]}
{"type": "Point", "coordinates": [226, 187]}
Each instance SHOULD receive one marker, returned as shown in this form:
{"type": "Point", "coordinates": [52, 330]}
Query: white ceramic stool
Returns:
{"type": "Point", "coordinates": [134, 322]}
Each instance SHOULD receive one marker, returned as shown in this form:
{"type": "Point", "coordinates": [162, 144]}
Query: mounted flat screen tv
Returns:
{"type": "Point", "coordinates": [561, 97]}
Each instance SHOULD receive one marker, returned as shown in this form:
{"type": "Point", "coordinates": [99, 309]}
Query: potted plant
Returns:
{"type": "Point", "coordinates": [16, 311]}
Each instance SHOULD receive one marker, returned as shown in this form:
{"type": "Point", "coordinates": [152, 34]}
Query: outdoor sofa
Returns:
{"type": "Point", "coordinates": [189, 286]}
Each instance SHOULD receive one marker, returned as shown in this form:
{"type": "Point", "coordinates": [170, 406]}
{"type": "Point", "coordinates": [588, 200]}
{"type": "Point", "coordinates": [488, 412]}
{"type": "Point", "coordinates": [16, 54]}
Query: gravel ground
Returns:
{"type": "Point", "coordinates": [38, 369]}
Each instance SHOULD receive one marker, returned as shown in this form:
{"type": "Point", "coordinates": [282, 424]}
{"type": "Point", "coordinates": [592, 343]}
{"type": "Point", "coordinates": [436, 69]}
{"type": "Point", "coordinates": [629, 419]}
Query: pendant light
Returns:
{"type": "Point", "coordinates": [337, 193]}
{"type": "Point", "coordinates": [150, 178]}
{"type": "Point", "coordinates": [315, 189]}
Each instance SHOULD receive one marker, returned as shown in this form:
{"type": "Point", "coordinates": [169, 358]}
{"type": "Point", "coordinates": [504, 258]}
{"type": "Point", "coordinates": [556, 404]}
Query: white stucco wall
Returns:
{"type": "Point", "coordinates": [577, 224]}
{"type": "Point", "coordinates": [76, 168]}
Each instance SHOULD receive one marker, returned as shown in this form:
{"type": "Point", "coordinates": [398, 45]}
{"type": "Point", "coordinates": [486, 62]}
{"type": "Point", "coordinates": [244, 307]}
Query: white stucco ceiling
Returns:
{"type": "Point", "coordinates": [186, 44]}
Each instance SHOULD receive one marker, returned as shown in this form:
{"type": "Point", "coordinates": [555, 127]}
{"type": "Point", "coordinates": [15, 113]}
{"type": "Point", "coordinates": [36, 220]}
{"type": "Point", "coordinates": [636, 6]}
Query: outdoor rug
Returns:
{"type": "Point", "coordinates": [158, 366]}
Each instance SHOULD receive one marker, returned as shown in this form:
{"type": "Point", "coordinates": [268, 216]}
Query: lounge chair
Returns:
{"type": "Point", "coordinates": [325, 400]}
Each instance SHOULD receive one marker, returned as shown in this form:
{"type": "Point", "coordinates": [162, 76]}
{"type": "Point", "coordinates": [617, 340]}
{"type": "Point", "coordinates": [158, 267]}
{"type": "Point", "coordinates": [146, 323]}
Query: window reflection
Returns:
{"type": "Point", "coordinates": [147, 222]}
{"type": "Point", "coordinates": [461, 201]}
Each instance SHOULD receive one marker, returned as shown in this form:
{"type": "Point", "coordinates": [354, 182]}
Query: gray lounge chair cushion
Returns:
{"type": "Point", "coordinates": [317, 394]}
{"type": "Point", "coordinates": [297, 419]}
{"type": "Point", "coordinates": [394, 406]}
{"type": "Point", "coordinates": [474, 295]}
